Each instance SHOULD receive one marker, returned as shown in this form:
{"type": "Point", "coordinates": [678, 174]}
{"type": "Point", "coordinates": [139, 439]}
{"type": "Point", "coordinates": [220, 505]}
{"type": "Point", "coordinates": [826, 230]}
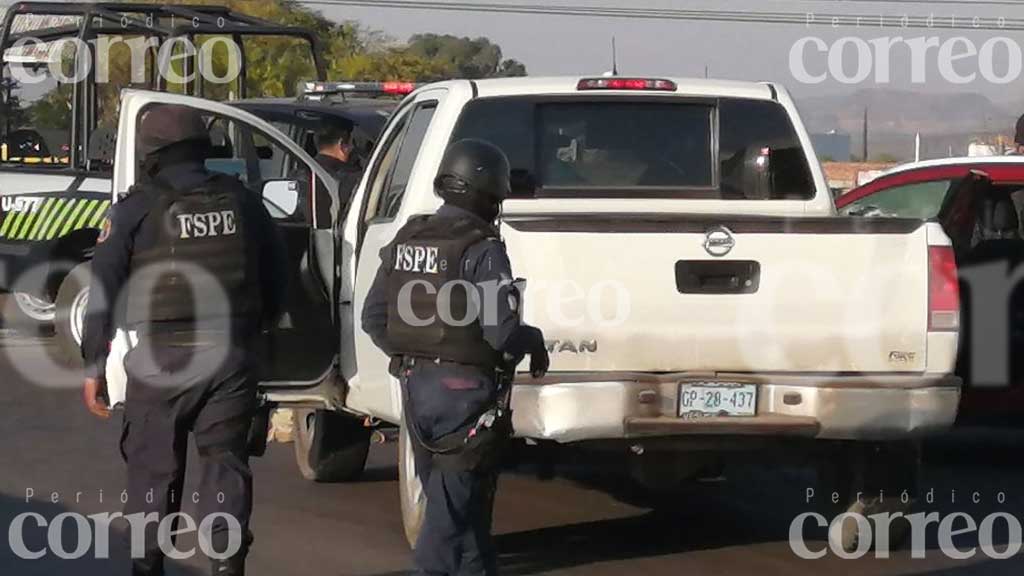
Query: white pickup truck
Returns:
{"type": "Point", "coordinates": [701, 299]}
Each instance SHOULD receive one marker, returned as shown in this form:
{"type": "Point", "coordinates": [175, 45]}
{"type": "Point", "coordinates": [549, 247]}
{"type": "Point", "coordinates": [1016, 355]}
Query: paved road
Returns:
{"type": "Point", "coordinates": [49, 444]}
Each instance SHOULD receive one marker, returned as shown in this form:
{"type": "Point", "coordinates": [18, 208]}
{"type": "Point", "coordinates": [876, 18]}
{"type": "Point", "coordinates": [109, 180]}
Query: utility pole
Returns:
{"type": "Point", "coordinates": [864, 157]}
{"type": "Point", "coordinates": [615, 59]}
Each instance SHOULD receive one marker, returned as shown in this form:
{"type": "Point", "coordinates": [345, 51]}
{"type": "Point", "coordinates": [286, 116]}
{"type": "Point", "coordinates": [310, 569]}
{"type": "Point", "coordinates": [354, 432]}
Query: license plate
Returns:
{"type": "Point", "coordinates": [703, 399]}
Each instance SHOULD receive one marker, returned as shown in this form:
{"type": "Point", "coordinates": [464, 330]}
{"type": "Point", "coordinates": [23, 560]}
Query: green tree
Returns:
{"type": "Point", "coordinates": [12, 115]}
{"type": "Point", "coordinates": [353, 52]}
{"type": "Point", "coordinates": [465, 57]}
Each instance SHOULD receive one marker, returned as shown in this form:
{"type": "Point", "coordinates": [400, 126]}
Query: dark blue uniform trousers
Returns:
{"type": "Point", "coordinates": [174, 390]}
{"type": "Point", "coordinates": [455, 539]}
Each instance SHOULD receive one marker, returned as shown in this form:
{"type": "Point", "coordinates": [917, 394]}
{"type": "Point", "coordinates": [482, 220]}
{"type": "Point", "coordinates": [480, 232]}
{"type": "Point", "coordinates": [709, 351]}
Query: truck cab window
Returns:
{"type": "Point", "coordinates": [638, 148]}
{"type": "Point", "coordinates": [36, 105]}
{"type": "Point", "coordinates": [760, 154]}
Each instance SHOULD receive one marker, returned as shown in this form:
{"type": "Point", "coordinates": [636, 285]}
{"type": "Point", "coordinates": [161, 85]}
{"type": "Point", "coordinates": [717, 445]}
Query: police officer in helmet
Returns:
{"type": "Point", "coordinates": [190, 264]}
{"type": "Point", "coordinates": [452, 268]}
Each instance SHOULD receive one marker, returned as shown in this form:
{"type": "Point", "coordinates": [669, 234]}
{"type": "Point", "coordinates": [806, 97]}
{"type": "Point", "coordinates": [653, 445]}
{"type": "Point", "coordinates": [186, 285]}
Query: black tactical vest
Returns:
{"type": "Point", "coordinates": [428, 252]}
{"type": "Point", "coordinates": [196, 270]}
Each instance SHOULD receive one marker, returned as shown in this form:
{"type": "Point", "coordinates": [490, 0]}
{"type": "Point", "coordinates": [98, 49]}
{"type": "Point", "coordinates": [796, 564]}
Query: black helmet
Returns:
{"type": "Point", "coordinates": [473, 168]}
{"type": "Point", "coordinates": [166, 124]}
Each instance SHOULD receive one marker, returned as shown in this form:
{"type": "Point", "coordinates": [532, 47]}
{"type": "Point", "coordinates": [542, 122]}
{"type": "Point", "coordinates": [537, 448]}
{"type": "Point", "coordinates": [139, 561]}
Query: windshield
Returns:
{"type": "Point", "coordinates": [727, 149]}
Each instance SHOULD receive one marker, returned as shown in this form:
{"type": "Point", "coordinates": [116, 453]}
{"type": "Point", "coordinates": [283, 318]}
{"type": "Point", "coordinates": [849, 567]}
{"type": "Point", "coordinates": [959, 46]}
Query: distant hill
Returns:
{"type": "Point", "coordinates": [905, 111]}
{"type": "Point", "coordinates": [895, 116]}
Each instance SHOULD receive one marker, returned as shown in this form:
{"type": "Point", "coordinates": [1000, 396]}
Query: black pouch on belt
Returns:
{"type": "Point", "coordinates": [259, 431]}
{"type": "Point", "coordinates": [477, 450]}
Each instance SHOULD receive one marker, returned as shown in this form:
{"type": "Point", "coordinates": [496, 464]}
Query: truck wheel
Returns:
{"type": "Point", "coordinates": [69, 321]}
{"type": "Point", "coordinates": [27, 314]}
{"type": "Point", "coordinates": [882, 474]}
{"type": "Point", "coordinates": [34, 311]}
{"type": "Point", "coordinates": [330, 447]}
{"type": "Point", "coordinates": [411, 493]}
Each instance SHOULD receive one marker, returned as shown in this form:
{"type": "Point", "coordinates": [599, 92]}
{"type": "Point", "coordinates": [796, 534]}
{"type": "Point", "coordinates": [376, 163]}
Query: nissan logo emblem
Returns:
{"type": "Point", "coordinates": [718, 241]}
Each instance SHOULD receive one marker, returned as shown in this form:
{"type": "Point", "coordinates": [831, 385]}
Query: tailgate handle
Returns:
{"type": "Point", "coordinates": [718, 276]}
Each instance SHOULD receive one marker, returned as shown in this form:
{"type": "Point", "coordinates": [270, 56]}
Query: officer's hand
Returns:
{"type": "Point", "coordinates": [539, 362]}
{"type": "Point", "coordinates": [94, 393]}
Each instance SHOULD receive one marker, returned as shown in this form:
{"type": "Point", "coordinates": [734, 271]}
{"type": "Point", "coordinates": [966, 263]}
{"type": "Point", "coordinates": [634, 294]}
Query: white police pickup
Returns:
{"type": "Point", "coordinates": [704, 304]}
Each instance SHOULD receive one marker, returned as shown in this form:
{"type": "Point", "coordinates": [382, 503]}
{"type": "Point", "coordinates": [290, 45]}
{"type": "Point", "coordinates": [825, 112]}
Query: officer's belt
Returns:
{"type": "Point", "coordinates": [411, 361]}
{"type": "Point", "coordinates": [185, 336]}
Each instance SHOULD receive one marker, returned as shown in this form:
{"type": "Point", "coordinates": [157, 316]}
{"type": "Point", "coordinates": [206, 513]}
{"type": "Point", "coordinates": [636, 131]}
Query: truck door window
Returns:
{"type": "Point", "coordinates": [398, 179]}
{"type": "Point", "coordinates": [239, 150]}
{"type": "Point", "coordinates": [384, 165]}
{"type": "Point", "coordinates": [919, 200]}
{"type": "Point", "coordinates": [390, 176]}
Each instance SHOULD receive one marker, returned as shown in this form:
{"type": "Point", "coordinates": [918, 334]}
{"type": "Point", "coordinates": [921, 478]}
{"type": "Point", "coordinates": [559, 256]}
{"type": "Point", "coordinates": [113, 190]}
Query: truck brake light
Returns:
{"type": "Point", "coordinates": [943, 290]}
{"type": "Point", "coordinates": [613, 83]}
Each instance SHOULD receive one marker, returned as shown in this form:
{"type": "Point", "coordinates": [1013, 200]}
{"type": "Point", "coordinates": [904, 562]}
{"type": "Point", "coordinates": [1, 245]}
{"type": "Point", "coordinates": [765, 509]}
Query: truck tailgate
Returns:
{"type": "Point", "coordinates": [667, 293]}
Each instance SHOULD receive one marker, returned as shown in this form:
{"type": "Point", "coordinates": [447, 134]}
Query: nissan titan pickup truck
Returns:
{"type": "Point", "coordinates": [703, 303]}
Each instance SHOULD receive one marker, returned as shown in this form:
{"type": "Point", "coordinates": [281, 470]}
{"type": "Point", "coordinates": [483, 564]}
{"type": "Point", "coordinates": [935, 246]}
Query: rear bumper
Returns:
{"type": "Point", "coordinates": [577, 407]}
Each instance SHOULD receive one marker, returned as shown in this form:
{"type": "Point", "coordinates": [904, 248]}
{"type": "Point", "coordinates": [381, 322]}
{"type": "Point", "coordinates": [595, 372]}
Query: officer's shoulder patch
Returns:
{"type": "Point", "coordinates": [105, 229]}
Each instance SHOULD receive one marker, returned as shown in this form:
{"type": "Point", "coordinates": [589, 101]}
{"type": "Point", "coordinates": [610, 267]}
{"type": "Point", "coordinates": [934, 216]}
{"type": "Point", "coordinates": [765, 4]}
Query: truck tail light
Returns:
{"type": "Point", "coordinates": [943, 290]}
{"type": "Point", "coordinates": [613, 83]}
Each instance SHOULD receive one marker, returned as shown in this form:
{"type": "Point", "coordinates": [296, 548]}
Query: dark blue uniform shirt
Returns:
{"type": "Point", "coordinates": [484, 262]}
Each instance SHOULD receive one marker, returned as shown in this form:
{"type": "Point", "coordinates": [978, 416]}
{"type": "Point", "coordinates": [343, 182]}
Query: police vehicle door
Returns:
{"type": "Point", "coordinates": [396, 186]}
{"type": "Point", "coordinates": [303, 347]}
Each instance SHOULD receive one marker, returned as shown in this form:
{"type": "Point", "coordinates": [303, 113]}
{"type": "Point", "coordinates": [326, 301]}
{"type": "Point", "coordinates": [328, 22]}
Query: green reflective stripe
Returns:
{"type": "Point", "coordinates": [44, 214]}
{"type": "Point", "coordinates": [22, 231]}
{"type": "Point", "coordinates": [74, 216]}
{"type": "Point", "coordinates": [89, 210]}
{"type": "Point", "coordinates": [8, 219]}
{"type": "Point", "coordinates": [51, 231]}
{"type": "Point", "coordinates": [97, 219]}
{"type": "Point", "coordinates": [16, 224]}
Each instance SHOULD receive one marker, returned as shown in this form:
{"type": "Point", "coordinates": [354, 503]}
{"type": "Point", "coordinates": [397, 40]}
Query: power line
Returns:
{"type": "Point", "coordinates": [960, 3]}
{"type": "Point", "coordinates": [951, 22]}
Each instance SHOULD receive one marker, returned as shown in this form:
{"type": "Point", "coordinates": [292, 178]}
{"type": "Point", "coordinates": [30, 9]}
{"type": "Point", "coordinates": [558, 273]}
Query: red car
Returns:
{"type": "Point", "coordinates": [953, 191]}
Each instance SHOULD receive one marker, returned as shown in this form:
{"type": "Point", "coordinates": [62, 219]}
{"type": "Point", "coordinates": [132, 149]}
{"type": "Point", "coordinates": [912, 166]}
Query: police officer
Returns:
{"type": "Point", "coordinates": [1018, 138]}
{"type": "Point", "coordinates": [336, 152]}
{"type": "Point", "coordinates": [452, 268]}
{"type": "Point", "coordinates": [190, 263]}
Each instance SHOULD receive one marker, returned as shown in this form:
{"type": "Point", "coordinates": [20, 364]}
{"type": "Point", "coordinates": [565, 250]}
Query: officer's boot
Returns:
{"type": "Point", "coordinates": [152, 564]}
{"type": "Point", "coordinates": [234, 566]}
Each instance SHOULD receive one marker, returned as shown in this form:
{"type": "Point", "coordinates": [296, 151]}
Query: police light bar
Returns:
{"type": "Point", "coordinates": [329, 88]}
{"type": "Point", "coordinates": [650, 84]}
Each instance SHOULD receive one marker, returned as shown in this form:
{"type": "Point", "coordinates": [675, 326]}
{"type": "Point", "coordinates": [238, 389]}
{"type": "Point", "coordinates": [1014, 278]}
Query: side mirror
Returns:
{"type": "Point", "coordinates": [282, 197]}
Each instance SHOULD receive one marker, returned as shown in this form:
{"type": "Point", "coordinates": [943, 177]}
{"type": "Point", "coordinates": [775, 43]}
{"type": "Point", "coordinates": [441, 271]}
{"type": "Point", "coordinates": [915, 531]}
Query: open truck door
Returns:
{"type": "Point", "coordinates": [57, 145]}
{"type": "Point", "coordinates": [302, 348]}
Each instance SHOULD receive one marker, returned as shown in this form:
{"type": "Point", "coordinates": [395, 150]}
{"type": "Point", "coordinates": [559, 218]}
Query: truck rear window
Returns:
{"type": "Point", "coordinates": [725, 149]}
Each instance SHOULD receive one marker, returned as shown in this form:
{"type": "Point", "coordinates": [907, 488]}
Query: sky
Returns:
{"type": "Point", "coordinates": [575, 45]}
